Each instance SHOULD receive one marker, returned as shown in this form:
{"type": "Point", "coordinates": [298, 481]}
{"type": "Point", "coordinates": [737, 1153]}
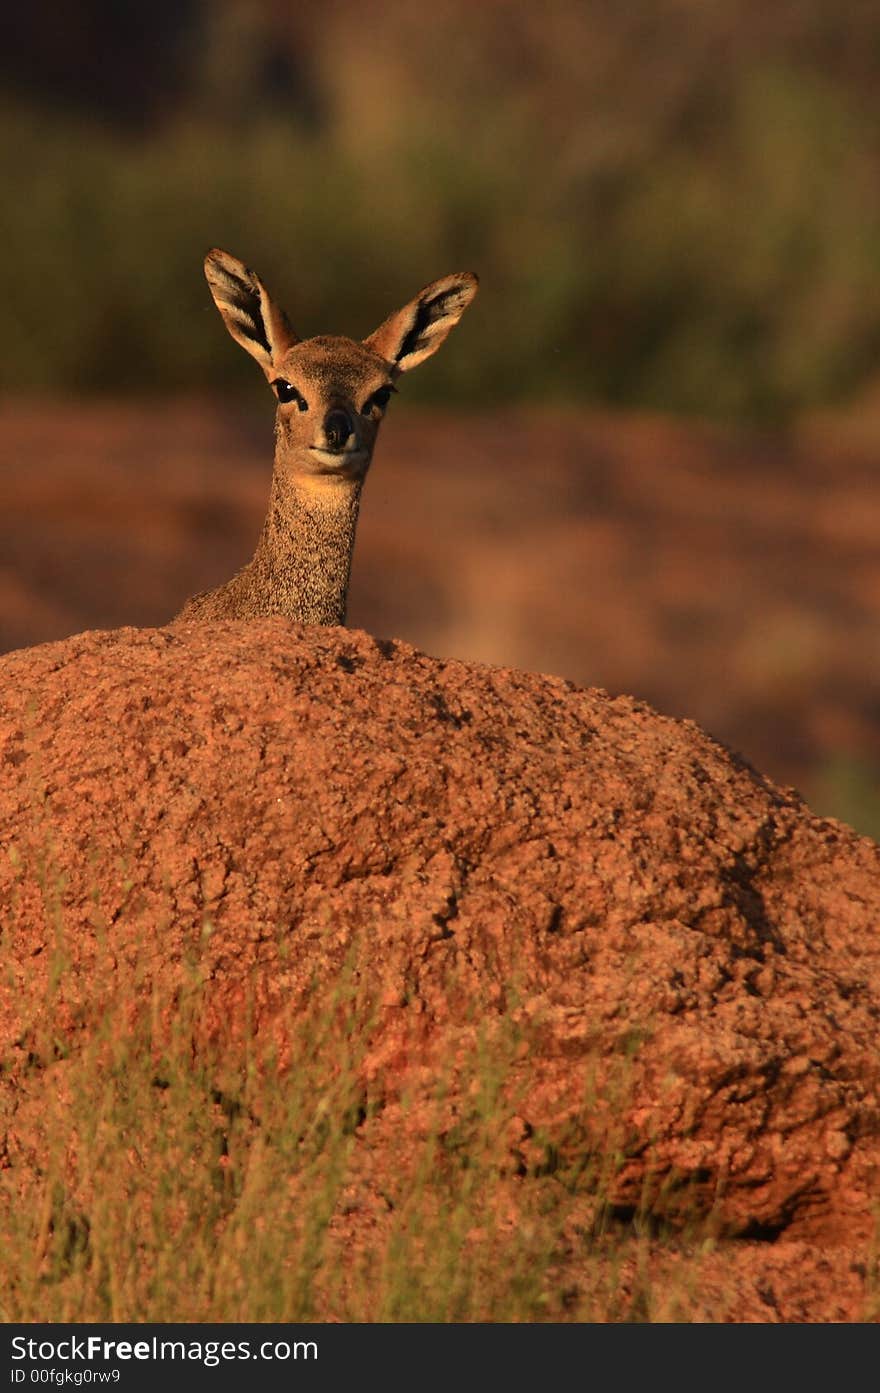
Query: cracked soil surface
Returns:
{"type": "Point", "coordinates": [274, 804]}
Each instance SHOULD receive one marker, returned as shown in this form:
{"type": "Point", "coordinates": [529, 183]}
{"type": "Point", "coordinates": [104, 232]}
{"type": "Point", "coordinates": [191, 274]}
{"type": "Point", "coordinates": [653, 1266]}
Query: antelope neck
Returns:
{"type": "Point", "coordinates": [305, 548]}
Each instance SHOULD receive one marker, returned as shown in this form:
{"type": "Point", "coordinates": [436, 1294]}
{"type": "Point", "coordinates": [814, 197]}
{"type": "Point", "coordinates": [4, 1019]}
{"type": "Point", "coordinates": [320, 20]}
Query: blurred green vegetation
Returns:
{"type": "Point", "coordinates": [848, 788]}
{"type": "Point", "coordinates": [671, 204]}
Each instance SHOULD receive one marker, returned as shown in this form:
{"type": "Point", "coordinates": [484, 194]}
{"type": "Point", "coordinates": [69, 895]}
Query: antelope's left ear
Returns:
{"type": "Point", "coordinates": [412, 334]}
{"type": "Point", "coordinates": [249, 313]}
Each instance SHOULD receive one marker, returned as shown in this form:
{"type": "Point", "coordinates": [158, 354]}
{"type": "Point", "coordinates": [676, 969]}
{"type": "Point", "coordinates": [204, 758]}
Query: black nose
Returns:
{"type": "Point", "coordinates": [337, 429]}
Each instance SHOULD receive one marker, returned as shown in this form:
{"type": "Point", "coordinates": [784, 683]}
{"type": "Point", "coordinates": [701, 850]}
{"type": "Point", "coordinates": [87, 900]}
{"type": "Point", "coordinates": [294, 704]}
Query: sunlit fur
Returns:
{"type": "Point", "coordinates": [302, 562]}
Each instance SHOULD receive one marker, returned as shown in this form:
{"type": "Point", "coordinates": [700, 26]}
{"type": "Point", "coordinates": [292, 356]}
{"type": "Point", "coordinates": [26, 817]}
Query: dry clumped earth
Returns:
{"type": "Point", "coordinates": [690, 957]}
{"type": "Point", "coordinates": [724, 575]}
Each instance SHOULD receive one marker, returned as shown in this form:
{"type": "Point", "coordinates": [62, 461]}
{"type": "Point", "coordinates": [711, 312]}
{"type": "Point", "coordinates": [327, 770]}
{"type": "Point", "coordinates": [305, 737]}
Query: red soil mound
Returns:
{"type": "Point", "coordinates": [271, 802]}
{"type": "Point", "coordinates": [729, 576]}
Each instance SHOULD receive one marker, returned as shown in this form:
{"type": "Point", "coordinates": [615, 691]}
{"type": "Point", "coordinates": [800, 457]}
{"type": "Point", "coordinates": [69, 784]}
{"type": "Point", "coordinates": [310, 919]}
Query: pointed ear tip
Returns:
{"type": "Point", "coordinates": [470, 280]}
{"type": "Point", "coordinates": [218, 257]}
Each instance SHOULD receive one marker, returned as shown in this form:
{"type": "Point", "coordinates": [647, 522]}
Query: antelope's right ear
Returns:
{"type": "Point", "coordinates": [249, 313]}
{"type": "Point", "coordinates": [412, 334]}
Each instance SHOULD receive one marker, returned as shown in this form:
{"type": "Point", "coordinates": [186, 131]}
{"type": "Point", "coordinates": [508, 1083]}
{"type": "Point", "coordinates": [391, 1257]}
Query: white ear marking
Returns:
{"type": "Point", "coordinates": [417, 330]}
{"type": "Point", "coordinates": [249, 312]}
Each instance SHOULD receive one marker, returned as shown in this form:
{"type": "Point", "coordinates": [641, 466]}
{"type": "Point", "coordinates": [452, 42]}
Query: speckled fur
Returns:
{"type": "Point", "coordinates": [302, 562]}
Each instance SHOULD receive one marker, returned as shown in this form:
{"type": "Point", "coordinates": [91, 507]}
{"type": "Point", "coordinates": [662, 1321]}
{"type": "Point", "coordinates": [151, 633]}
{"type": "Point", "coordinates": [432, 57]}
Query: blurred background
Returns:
{"type": "Point", "coordinates": [649, 456]}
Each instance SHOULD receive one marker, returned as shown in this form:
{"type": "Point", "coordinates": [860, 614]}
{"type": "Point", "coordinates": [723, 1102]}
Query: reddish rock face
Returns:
{"type": "Point", "coordinates": [692, 957]}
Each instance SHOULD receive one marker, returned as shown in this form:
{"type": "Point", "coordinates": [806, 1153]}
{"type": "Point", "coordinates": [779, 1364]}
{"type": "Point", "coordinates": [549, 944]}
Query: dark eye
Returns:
{"type": "Point", "coordinates": [379, 398]}
{"type": "Point", "coordinates": [285, 391]}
